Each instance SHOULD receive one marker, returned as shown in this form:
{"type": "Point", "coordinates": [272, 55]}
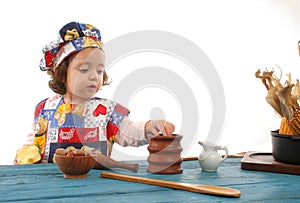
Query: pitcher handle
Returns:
{"type": "Point", "coordinates": [226, 152]}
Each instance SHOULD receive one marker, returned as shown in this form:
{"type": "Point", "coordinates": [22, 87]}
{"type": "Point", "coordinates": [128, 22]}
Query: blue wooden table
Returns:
{"type": "Point", "coordinates": [45, 182]}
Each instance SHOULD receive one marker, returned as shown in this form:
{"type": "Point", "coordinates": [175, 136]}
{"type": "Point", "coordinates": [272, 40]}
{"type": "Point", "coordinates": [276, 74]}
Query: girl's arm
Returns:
{"type": "Point", "coordinates": [131, 133]}
{"type": "Point", "coordinates": [139, 133]}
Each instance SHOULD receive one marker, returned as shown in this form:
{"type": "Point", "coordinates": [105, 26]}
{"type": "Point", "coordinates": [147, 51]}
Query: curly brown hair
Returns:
{"type": "Point", "coordinates": [59, 76]}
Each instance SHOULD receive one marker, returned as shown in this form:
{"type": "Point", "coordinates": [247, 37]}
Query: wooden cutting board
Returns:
{"type": "Point", "coordinates": [259, 161]}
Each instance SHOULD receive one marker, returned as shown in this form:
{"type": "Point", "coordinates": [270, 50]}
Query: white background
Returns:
{"type": "Point", "coordinates": [238, 36]}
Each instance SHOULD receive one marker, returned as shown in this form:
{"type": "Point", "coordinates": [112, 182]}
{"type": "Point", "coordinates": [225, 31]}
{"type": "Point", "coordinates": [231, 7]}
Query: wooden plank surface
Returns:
{"type": "Point", "coordinates": [45, 182]}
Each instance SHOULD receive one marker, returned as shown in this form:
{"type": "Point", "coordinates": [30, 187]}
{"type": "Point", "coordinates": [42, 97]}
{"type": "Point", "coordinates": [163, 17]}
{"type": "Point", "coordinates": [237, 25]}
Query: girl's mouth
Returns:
{"type": "Point", "coordinates": [92, 86]}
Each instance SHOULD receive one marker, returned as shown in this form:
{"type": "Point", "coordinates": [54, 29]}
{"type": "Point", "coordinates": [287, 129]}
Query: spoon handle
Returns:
{"type": "Point", "coordinates": [104, 162]}
{"type": "Point", "coordinates": [204, 189]}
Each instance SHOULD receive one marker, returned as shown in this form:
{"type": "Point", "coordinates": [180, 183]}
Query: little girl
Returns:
{"type": "Point", "coordinates": [75, 117]}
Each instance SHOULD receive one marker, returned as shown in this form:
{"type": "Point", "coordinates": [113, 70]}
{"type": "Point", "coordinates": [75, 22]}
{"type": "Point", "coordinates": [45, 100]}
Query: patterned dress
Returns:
{"type": "Point", "coordinates": [95, 124]}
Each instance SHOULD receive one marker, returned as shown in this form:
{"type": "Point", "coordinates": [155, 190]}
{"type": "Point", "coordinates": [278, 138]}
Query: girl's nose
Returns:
{"type": "Point", "coordinates": [93, 75]}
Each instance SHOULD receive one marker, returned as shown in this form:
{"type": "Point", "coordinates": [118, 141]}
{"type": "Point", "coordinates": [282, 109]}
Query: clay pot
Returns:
{"type": "Point", "coordinates": [165, 155]}
{"type": "Point", "coordinates": [286, 148]}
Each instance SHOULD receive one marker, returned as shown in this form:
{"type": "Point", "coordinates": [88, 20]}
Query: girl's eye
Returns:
{"type": "Point", "coordinates": [83, 70]}
{"type": "Point", "coordinates": [99, 71]}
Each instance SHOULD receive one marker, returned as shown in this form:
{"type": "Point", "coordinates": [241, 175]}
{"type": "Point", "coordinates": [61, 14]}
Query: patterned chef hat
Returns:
{"type": "Point", "coordinates": [72, 38]}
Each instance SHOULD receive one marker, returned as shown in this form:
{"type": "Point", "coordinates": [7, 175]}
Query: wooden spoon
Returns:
{"type": "Point", "coordinates": [104, 162]}
{"type": "Point", "coordinates": [204, 189]}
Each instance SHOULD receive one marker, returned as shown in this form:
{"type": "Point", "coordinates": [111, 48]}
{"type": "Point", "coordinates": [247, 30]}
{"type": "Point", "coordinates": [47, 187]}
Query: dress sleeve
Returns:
{"type": "Point", "coordinates": [38, 109]}
{"type": "Point", "coordinates": [131, 133]}
{"type": "Point", "coordinates": [116, 117]}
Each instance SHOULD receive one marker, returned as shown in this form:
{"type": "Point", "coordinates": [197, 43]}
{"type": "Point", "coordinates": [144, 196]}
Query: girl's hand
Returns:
{"type": "Point", "coordinates": [154, 128]}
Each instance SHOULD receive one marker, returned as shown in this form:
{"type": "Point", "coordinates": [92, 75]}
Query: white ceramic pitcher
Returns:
{"type": "Point", "coordinates": [209, 158]}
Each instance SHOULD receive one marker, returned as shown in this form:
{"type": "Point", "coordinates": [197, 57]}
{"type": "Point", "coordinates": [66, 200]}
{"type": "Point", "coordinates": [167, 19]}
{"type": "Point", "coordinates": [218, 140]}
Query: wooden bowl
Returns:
{"type": "Point", "coordinates": [75, 167]}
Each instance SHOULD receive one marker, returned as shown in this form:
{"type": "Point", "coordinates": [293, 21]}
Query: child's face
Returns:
{"type": "Point", "coordinates": [85, 75]}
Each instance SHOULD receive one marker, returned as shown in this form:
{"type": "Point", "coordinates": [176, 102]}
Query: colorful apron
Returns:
{"type": "Point", "coordinates": [95, 124]}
